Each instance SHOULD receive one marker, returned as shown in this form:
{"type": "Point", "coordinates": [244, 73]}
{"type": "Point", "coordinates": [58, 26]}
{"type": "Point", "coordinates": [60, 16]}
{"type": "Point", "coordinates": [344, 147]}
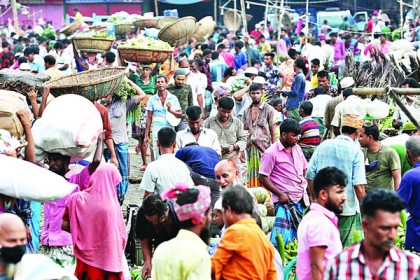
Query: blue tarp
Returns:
{"type": "Point", "coordinates": [180, 2]}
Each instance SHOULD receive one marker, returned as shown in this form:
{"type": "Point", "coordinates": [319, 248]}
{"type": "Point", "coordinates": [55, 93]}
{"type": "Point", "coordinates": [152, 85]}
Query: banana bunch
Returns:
{"type": "Point", "coordinates": [400, 240]}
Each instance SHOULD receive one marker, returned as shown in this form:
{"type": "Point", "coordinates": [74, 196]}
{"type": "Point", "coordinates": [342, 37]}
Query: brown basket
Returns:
{"type": "Point", "coordinates": [92, 45]}
{"type": "Point", "coordinates": [229, 20]}
{"type": "Point", "coordinates": [178, 32]}
{"type": "Point", "coordinates": [71, 28]}
{"type": "Point", "coordinates": [98, 28]}
{"type": "Point", "coordinates": [204, 28]}
{"type": "Point", "coordinates": [93, 84]}
{"type": "Point", "coordinates": [144, 55]}
{"type": "Point", "coordinates": [146, 23]}
{"type": "Point", "coordinates": [165, 21]}
{"type": "Point", "coordinates": [122, 28]}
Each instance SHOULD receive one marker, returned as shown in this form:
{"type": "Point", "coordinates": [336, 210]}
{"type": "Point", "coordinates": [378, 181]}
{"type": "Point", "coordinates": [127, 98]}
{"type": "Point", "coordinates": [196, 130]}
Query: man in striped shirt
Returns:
{"type": "Point", "coordinates": [309, 138]}
{"type": "Point", "coordinates": [376, 257]}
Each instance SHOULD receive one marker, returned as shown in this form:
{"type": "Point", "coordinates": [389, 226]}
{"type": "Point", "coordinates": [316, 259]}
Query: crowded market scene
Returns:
{"type": "Point", "coordinates": [198, 139]}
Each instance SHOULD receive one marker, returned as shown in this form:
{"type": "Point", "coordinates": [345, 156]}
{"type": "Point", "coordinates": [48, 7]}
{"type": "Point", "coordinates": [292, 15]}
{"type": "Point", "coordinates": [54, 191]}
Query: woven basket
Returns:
{"type": "Point", "coordinates": [178, 32]}
{"type": "Point", "coordinates": [146, 23]}
{"type": "Point", "coordinates": [122, 28]}
{"type": "Point", "coordinates": [204, 28]}
{"type": "Point", "coordinates": [229, 20]}
{"type": "Point", "coordinates": [144, 55]}
{"type": "Point", "coordinates": [92, 45]}
{"type": "Point", "coordinates": [71, 28]}
{"type": "Point", "coordinates": [93, 84]}
{"type": "Point", "coordinates": [165, 21]}
{"type": "Point", "coordinates": [98, 28]}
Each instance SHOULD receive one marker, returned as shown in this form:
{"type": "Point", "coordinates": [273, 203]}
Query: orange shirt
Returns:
{"type": "Point", "coordinates": [244, 253]}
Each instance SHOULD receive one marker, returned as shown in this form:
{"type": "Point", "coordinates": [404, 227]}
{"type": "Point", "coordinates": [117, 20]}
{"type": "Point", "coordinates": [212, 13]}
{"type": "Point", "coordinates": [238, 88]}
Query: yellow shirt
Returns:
{"type": "Point", "coordinates": [314, 81]}
{"type": "Point", "coordinates": [78, 16]}
{"type": "Point", "coordinates": [265, 47]}
{"type": "Point", "coordinates": [183, 257]}
{"type": "Point", "coordinates": [244, 253]}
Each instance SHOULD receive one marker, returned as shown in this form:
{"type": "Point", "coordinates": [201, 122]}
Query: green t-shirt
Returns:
{"type": "Point", "coordinates": [147, 88]}
{"type": "Point", "coordinates": [184, 95]}
{"type": "Point", "coordinates": [381, 176]}
{"type": "Point", "coordinates": [344, 26]}
{"type": "Point", "coordinates": [405, 165]}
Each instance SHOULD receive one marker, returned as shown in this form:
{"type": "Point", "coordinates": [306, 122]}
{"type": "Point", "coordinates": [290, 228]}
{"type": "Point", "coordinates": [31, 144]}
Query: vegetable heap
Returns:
{"type": "Point", "coordinates": [146, 43]}
{"type": "Point", "coordinates": [124, 92]}
{"type": "Point", "coordinates": [94, 34]}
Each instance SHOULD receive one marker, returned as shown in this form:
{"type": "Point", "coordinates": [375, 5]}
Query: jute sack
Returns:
{"type": "Point", "coordinates": [69, 126]}
{"type": "Point", "coordinates": [10, 103]}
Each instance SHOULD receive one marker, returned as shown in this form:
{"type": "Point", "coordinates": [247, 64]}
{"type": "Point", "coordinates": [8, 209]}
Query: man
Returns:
{"type": "Point", "coordinates": [319, 103]}
{"type": "Point", "coordinates": [217, 67]}
{"type": "Point", "coordinates": [409, 191]}
{"type": "Point", "coordinates": [227, 56]}
{"type": "Point", "coordinates": [7, 57]}
{"type": "Point", "coordinates": [183, 93]}
{"type": "Point", "coordinates": [62, 58]}
{"type": "Point", "coordinates": [345, 25]}
{"type": "Point", "coordinates": [324, 81]}
{"type": "Point", "coordinates": [37, 63]}
{"type": "Point", "coordinates": [282, 172]}
{"type": "Point", "coordinates": [52, 71]}
{"type": "Point", "coordinates": [352, 104]}
{"type": "Point", "coordinates": [317, 244]}
{"type": "Point", "coordinates": [383, 168]}
{"type": "Point", "coordinates": [226, 173]}
{"type": "Point", "coordinates": [240, 59]}
{"type": "Point", "coordinates": [158, 106]}
{"type": "Point", "coordinates": [259, 120]}
{"type": "Point", "coordinates": [77, 14]}
{"type": "Point", "coordinates": [156, 223]}
{"type": "Point", "coordinates": [256, 33]}
{"type": "Point", "coordinates": [343, 153]}
{"type": "Point", "coordinates": [201, 162]}
{"type": "Point", "coordinates": [264, 46]}
{"type": "Point", "coordinates": [196, 133]}
{"type": "Point", "coordinates": [346, 82]}
{"type": "Point", "coordinates": [244, 252]}
{"type": "Point", "coordinates": [167, 170]}
{"type": "Point", "coordinates": [309, 138]}
{"type": "Point", "coordinates": [193, 80]}
{"type": "Point", "coordinates": [315, 66]}
{"type": "Point", "coordinates": [241, 97]}
{"type": "Point", "coordinates": [191, 260]}
{"type": "Point", "coordinates": [376, 257]}
{"type": "Point", "coordinates": [229, 130]}
{"type": "Point", "coordinates": [273, 76]}
{"type": "Point", "coordinates": [339, 48]}
{"type": "Point", "coordinates": [297, 92]}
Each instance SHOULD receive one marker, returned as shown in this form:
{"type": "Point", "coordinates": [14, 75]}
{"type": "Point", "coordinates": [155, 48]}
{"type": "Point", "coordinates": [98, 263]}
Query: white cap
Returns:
{"type": "Point", "coordinates": [346, 82]}
{"type": "Point", "coordinates": [25, 67]}
{"type": "Point", "coordinates": [16, 37]}
{"type": "Point", "coordinates": [251, 70]}
{"type": "Point", "coordinates": [259, 80]}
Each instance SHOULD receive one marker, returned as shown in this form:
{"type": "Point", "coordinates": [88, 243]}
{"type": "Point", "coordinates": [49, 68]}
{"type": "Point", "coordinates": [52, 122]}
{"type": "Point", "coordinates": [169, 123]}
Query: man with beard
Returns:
{"type": "Point", "coordinates": [376, 257]}
{"type": "Point", "coordinates": [186, 256]}
{"type": "Point", "coordinates": [318, 244]}
{"type": "Point", "coordinates": [244, 252]}
{"type": "Point", "coordinates": [58, 243]}
{"type": "Point", "coordinates": [259, 119]}
{"type": "Point", "coordinates": [184, 94]}
{"type": "Point", "coordinates": [196, 133]}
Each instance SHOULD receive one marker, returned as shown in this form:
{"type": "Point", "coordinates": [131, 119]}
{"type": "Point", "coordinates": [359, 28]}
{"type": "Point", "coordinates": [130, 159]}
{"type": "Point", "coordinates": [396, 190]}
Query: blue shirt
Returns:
{"type": "Point", "coordinates": [159, 111]}
{"type": "Point", "coordinates": [202, 160]}
{"type": "Point", "coordinates": [409, 190]}
{"type": "Point", "coordinates": [297, 92]}
{"type": "Point", "coordinates": [239, 60]}
{"type": "Point", "coordinates": [343, 153]}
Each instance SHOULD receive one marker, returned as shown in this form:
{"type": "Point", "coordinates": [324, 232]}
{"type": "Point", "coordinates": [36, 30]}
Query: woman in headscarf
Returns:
{"type": "Point", "coordinates": [95, 221]}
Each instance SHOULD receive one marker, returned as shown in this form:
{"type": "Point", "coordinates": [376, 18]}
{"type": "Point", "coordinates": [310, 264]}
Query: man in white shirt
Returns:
{"type": "Point", "coordinates": [194, 81]}
{"type": "Point", "coordinates": [320, 102]}
{"type": "Point", "coordinates": [167, 170]}
{"type": "Point", "coordinates": [196, 133]}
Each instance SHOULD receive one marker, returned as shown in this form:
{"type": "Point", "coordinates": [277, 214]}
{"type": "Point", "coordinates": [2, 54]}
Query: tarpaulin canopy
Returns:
{"type": "Point", "coordinates": [181, 2]}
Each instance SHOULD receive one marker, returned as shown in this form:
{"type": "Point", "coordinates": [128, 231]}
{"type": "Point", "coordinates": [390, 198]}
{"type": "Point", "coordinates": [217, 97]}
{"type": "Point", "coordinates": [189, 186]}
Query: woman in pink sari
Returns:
{"type": "Point", "coordinates": [95, 221]}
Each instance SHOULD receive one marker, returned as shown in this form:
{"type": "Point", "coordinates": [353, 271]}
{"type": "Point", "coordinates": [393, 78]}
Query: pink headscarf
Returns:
{"type": "Point", "coordinates": [96, 221]}
{"type": "Point", "coordinates": [194, 211]}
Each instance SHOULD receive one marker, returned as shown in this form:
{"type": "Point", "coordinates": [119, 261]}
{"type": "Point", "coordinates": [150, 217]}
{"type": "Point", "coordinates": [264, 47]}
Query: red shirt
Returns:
{"type": "Point", "coordinates": [105, 120]}
{"type": "Point", "coordinates": [369, 26]}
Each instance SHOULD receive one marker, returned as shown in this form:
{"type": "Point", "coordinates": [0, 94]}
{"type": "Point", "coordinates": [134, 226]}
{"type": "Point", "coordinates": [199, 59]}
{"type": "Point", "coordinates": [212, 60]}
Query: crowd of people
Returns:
{"type": "Point", "coordinates": [223, 118]}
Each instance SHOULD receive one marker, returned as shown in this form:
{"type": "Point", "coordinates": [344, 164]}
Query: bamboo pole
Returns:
{"type": "Point", "coordinates": [234, 7]}
{"type": "Point", "coordinates": [307, 22]}
{"type": "Point", "coordinates": [244, 23]}
{"type": "Point", "coordinates": [381, 91]}
{"type": "Point", "coordinates": [156, 8]}
{"type": "Point", "coordinates": [215, 11]}
{"type": "Point", "coordinates": [15, 15]}
{"type": "Point", "coordinates": [401, 18]}
{"type": "Point", "coordinates": [280, 24]}
{"type": "Point", "coordinates": [404, 108]}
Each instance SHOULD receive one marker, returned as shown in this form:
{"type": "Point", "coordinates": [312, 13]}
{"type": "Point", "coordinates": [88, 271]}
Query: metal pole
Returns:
{"type": "Point", "coordinates": [280, 24]}
{"type": "Point", "coordinates": [215, 11]}
{"type": "Point", "coordinates": [307, 21]}
{"type": "Point", "coordinates": [401, 18]}
{"type": "Point", "coordinates": [156, 8]}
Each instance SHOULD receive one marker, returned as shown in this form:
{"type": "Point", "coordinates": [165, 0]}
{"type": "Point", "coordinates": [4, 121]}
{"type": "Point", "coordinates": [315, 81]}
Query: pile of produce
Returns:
{"type": "Point", "coordinates": [93, 34]}
{"type": "Point", "coordinates": [119, 17]}
{"type": "Point", "coordinates": [146, 43]}
{"type": "Point", "coordinates": [265, 208]}
{"type": "Point", "coordinates": [124, 92]}
{"type": "Point", "coordinates": [22, 82]}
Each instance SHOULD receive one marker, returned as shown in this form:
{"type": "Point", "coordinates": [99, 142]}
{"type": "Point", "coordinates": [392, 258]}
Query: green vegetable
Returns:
{"type": "Point", "coordinates": [357, 236]}
{"type": "Point", "coordinates": [124, 92]}
{"type": "Point", "coordinates": [147, 43]}
{"type": "Point", "coordinates": [280, 247]}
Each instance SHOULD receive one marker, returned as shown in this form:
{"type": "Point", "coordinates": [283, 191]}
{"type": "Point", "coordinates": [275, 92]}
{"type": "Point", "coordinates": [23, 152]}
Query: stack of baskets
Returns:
{"type": "Point", "coordinates": [92, 45]}
{"type": "Point", "coordinates": [178, 32]}
{"type": "Point", "coordinates": [93, 84]}
{"type": "Point", "coordinates": [166, 21]}
{"type": "Point", "coordinates": [204, 28]}
{"type": "Point", "coordinates": [71, 28]}
{"type": "Point", "coordinates": [122, 28]}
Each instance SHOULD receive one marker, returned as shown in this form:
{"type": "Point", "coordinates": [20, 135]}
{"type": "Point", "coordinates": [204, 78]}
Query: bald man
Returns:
{"type": "Point", "coordinates": [226, 173]}
{"type": "Point", "coordinates": [13, 246]}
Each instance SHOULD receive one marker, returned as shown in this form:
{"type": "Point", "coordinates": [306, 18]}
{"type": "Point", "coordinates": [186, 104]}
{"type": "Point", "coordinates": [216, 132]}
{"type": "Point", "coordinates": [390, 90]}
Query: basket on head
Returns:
{"type": "Point", "coordinates": [98, 28]}
{"type": "Point", "coordinates": [122, 28]}
{"type": "Point", "coordinates": [71, 28]}
{"type": "Point", "coordinates": [93, 84]}
{"type": "Point", "coordinates": [178, 32]}
{"type": "Point", "coordinates": [165, 21]}
{"type": "Point", "coordinates": [92, 45]}
{"type": "Point", "coordinates": [144, 55]}
{"type": "Point", "coordinates": [229, 20]}
{"type": "Point", "coordinates": [146, 23]}
{"type": "Point", "coordinates": [204, 28]}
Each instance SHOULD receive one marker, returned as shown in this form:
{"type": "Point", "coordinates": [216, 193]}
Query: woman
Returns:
{"type": "Point", "coordinates": [95, 221]}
